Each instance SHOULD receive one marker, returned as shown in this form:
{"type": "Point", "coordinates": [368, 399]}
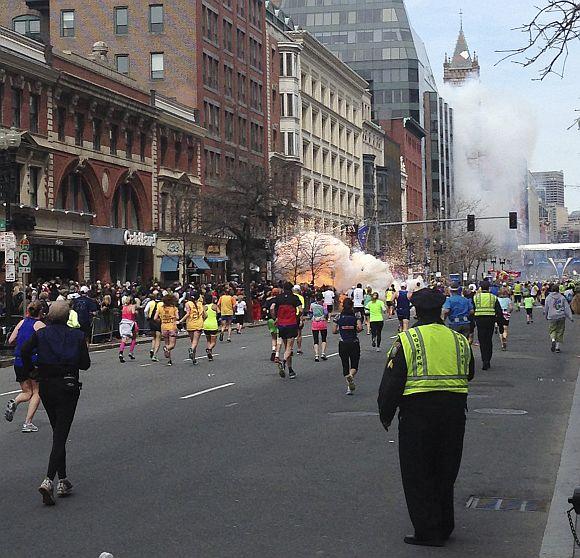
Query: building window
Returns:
{"type": "Point", "coordinates": [227, 35]}
{"type": "Point", "coordinates": [121, 20]}
{"type": "Point", "coordinates": [242, 88]}
{"type": "Point", "coordinates": [129, 144]}
{"type": "Point", "coordinates": [114, 140]}
{"type": "Point", "coordinates": [229, 126]}
{"type": "Point", "coordinates": [74, 194]}
{"type": "Point", "coordinates": [34, 184]}
{"type": "Point", "coordinates": [242, 8]}
{"type": "Point", "coordinates": [157, 65]}
{"type": "Point", "coordinates": [256, 137]}
{"type": "Point", "coordinates": [34, 109]}
{"type": "Point", "coordinates": [210, 71]}
{"type": "Point", "coordinates": [288, 64]}
{"type": "Point", "coordinates": [255, 95]}
{"type": "Point", "coordinates": [255, 54]}
{"type": "Point", "coordinates": [97, 132]}
{"type": "Point", "coordinates": [122, 61]}
{"type": "Point", "coordinates": [27, 25]}
{"type": "Point", "coordinates": [209, 25]}
{"type": "Point", "coordinates": [290, 141]}
{"type": "Point", "coordinates": [241, 44]}
{"type": "Point", "coordinates": [125, 214]}
{"type": "Point", "coordinates": [67, 23]}
{"type": "Point", "coordinates": [288, 104]}
{"type": "Point", "coordinates": [16, 107]}
{"type": "Point", "coordinates": [142, 146]}
{"type": "Point", "coordinates": [242, 131]}
{"type": "Point", "coordinates": [61, 123]}
{"type": "Point", "coordinates": [228, 81]}
{"type": "Point", "coordinates": [156, 18]}
{"type": "Point", "coordinates": [212, 118]}
{"type": "Point", "coordinates": [255, 12]}
{"type": "Point", "coordinates": [79, 128]}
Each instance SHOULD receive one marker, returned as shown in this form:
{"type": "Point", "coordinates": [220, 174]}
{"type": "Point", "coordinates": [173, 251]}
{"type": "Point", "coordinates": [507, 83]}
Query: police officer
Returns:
{"type": "Point", "coordinates": [426, 377]}
{"type": "Point", "coordinates": [487, 312]}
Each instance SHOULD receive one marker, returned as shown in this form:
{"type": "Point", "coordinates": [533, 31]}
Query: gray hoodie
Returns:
{"type": "Point", "coordinates": [557, 307]}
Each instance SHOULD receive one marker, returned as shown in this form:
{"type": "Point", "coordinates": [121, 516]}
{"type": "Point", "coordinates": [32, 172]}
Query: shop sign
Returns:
{"type": "Point", "coordinates": [212, 249]}
{"type": "Point", "coordinates": [135, 238]}
{"type": "Point", "coordinates": [174, 248]}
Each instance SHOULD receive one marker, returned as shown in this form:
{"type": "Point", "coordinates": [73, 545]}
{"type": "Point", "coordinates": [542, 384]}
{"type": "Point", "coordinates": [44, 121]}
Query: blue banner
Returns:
{"type": "Point", "coordinates": [363, 234]}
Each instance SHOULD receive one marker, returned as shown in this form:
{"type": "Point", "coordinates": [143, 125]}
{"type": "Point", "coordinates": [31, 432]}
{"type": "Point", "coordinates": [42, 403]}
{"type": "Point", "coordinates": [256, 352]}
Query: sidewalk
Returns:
{"type": "Point", "coordinates": [7, 361]}
{"type": "Point", "coordinates": [558, 541]}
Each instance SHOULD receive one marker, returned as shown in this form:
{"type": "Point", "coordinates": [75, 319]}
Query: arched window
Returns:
{"type": "Point", "coordinates": [74, 194]}
{"type": "Point", "coordinates": [125, 214]}
{"type": "Point", "coordinates": [28, 25]}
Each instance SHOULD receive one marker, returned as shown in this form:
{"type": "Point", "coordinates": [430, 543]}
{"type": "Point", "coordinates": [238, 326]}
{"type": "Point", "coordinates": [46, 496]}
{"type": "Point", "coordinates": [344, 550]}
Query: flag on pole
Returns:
{"type": "Point", "coordinates": [363, 234]}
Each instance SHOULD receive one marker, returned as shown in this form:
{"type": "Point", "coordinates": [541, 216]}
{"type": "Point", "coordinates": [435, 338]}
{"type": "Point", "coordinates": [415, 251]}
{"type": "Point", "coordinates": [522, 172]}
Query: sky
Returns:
{"type": "Point", "coordinates": [488, 28]}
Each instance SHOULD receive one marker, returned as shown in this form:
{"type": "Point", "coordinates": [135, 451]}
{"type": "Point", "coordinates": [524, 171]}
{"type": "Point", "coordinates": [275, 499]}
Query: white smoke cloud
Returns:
{"type": "Point", "coordinates": [495, 135]}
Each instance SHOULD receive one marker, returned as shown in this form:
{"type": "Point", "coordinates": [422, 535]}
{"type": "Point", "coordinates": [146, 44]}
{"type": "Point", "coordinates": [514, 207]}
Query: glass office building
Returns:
{"type": "Point", "coordinates": [376, 40]}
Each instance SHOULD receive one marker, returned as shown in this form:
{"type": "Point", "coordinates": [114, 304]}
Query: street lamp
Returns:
{"type": "Point", "coordinates": [9, 143]}
{"type": "Point", "coordinates": [493, 261]}
{"type": "Point", "coordinates": [502, 262]}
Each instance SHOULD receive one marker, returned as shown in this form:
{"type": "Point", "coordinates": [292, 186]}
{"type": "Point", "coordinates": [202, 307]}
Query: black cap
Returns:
{"type": "Point", "coordinates": [428, 300]}
{"type": "Point", "coordinates": [485, 285]}
{"type": "Point", "coordinates": [455, 286]}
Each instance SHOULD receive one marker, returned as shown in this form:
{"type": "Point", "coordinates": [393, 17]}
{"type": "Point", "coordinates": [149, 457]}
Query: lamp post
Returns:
{"type": "Point", "coordinates": [9, 143]}
{"type": "Point", "coordinates": [502, 262]}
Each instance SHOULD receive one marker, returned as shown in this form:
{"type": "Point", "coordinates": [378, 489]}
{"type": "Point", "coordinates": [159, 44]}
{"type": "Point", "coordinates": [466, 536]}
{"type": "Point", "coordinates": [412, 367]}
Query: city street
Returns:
{"type": "Point", "coordinates": [265, 467]}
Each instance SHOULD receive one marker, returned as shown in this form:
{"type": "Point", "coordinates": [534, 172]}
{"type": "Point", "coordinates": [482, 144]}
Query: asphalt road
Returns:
{"type": "Point", "coordinates": [267, 467]}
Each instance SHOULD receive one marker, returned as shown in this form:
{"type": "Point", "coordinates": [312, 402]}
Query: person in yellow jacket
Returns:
{"type": "Point", "coordinates": [488, 312]}
{"type": "Point", "coordinates": [426, 377]}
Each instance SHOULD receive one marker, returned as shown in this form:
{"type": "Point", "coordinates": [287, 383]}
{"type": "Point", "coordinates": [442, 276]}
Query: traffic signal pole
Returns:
{"type": "Point", "coordinates": [454, 220]}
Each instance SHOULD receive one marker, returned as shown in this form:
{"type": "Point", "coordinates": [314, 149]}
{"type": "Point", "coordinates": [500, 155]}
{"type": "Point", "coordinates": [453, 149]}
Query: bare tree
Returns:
{"type": "Point", "coordinates": [318, 254]}
{"type": "Point", "coordinates": [249, 205]}
{"type": "Point", "coordinates": [290, 258]}
{"type": "Point", "coordinates": [549, 35]}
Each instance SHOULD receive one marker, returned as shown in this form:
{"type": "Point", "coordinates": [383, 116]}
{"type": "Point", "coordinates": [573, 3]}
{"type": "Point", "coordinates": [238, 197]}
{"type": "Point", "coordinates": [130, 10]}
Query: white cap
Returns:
{"type": "Point", "coordinates": [296, 288]}
{"type": "Point", "coordinates": [84, 289]}
{"type": "Point", "coordinates": [72, 296]}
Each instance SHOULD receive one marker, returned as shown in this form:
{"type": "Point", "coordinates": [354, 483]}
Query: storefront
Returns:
{"type": "Point", "coordinates": [121, 254]}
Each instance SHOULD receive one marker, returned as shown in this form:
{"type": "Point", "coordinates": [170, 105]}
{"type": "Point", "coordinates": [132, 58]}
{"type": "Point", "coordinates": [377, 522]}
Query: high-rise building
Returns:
{"type": "Point", "coordinates": [462, 67]}
{"type": "Point", "coordinates": [550, 187]}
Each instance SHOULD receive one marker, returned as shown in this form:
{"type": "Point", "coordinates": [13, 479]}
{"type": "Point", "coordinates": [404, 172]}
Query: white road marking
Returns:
{"type": "Point", "coordinates": [100, 351]}
{"type": "Point", "coordinates": [394, 336]}
{"type": "Point", "coordinates": [11, 392]}
{"type": "Point", "coordinates": [208, 390]}
{"type": "Point", "coordinates": [199, 358]}
{"type": "Point", "coordinates": [333, 354]}
{"type": "Point", "coordinates": [232, 404]}
{"type": "Point", "coordinates": [149, 364]}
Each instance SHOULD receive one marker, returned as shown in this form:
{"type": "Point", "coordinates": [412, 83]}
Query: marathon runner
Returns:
{"type": "Point", "coordinates": [319, 327]}
{"type": "Point", "coordinates": [225, 307]}
{"type": "Point", "coordinates": [193, 322]}
{"type": "Point", "coordinates": [348, 326]}
{"type": "Point", "coordinates": [168, 315]}
{"type": "Point", "coordinates": [299, 318]}
{"type": "Point", "coordinates": [210, 325]}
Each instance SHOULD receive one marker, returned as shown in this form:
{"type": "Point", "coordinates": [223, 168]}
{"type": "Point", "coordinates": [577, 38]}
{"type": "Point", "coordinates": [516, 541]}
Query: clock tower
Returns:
{"type": "Point", "coordinates": [462, 67]}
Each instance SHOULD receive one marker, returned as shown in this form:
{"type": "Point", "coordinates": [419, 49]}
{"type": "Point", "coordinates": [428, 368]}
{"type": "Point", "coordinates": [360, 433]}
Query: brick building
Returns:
{"type": "Point", "coordinates": [210, 56]}
{"type": "Point", "coordinates": [97, 155]}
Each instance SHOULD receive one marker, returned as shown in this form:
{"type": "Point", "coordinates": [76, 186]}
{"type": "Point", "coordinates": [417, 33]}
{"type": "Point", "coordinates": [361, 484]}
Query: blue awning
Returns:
{"type": "Point", "coordinates": [199, 262]}
{"type": "Point", "coordinates": [169, 264]}
{"type": "Point", "coordinates": [217, 259]}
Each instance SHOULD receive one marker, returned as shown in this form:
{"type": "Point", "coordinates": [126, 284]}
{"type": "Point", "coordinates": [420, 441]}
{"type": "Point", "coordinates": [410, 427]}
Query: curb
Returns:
{"type": "Point", "coordinates": [557, 541]}
{"type": "Point", "coordinates": [7, 362]}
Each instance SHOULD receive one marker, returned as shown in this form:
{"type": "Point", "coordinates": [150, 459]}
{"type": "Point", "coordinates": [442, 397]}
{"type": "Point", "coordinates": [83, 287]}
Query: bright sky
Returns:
{"type": "Point", "coordinates": [488, 28]}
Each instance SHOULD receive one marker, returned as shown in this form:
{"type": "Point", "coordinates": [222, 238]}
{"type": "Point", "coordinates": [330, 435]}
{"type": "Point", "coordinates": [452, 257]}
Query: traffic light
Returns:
{"type": "Point", "coordinates": [513, 220]}
{"type": "Point", "coordinates": [471, 223]}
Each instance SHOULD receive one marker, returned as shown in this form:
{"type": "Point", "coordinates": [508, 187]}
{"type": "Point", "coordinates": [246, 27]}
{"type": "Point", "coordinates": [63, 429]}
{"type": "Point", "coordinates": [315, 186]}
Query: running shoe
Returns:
{"type": "Point", "coordinates": [276, 359]}
{"type": "Point", "coordinates": [151, 354]}
{"type": "Point", "coordinates": [29, 427]}
{"type": "Point", "coordinates": [221, 335]}
{"type": "Point", "coordinates": [10, 410]}
{"type": "Point", "coordinates": [351, 384]}
{"type": "Point", "coordinates": [378, 349]}
{"type": "Point", "coordinates": [557, 349]}
{"type": "Point", "coordinates": [209, 355]}
{"type": "Point", "coordinates": [47, 491]}
{"type": "Point", "coordinates": [131, 356]}
{"type": "Point", "coordinates": [316, 359]}
{"type": "Point", "coordinates": [324, 357]}
{"type": "Point", "coordinates": [190, 353]}
{"type": "Point", "coordinates": [166, 352]}
{"type": "Point", "coordinates": [121, 358]}
{"type": "Point", "coordinates": [273, 356]}
{"type": "Point", "coordinates": [194, 361]}
{"type": "Point", "coordinates": [373, 343]}
{"type": "Point", "coordinates": [169, 363]}
{"type": "Point", "coordinates": [552, 348]}
{"type": "Point", "coordinates": [154, 358]}
{"type": "Point", "coordinates": [368, 332]}
{"type": "Point", "coordinates": [229, 340]}
{"type": "Point", "coordinates": [349, 392]}
{"type": "Point", "coordinates": [299, 352]}
{"type": "Point", "coordinates": [63, 488]}
{"type": "Point", "coordinates": [291, 374]}
{"type": "Point", "coordinates": [282, 368]}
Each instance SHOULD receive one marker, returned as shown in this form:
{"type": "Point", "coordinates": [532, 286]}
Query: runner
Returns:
{"type": "Point", "coordinates": [168, 314]}
{"type": "Point", "coordinates": [507, 309]}
{"type": "Point", "coordinates": [458, 310]}
{"type": "Point", "coordinates": [358, 301]}
{"type": "Point", "coordinates": [225, 307]}
{"type": "Point", "coordinates": [367, 299]}
{"type": "Point", "coordinates": [22, 332]}
{"type": "Point", "coordinates": [348, 326]}
{"type": "Point", "coordinates": [390, 298]}
{"type": "Point", "coordinates": [154, 325]}
{"type": "Point", "coordinates": [517, 295]}
{"type": "Point", "coordinates": [557, 310]}
{"type": "Point", "coordinates": [128, 328]}
{"type": "Point", "coordinates": [319, 326]}
{"type": "Point", "coordinates": [193, 322]}
{"type": "Point", "coordinates": [376, 310]}
{"type": "Point", "coordinates": [271, 322]}
{"type": "Point", "coordinates": [285, 308]}
{"type": "Point", "coordinates": [403, 308]}
{"type": "Point", "coordinates": [328, 295]}
{"type": "Point", "coordinates": [86, 309]}
{"type": "Point", "coordinates": [210, 325]}
{"type": "Point", "coordinates": [529, 306]}
{"type": "Point", "coordinates": [240, 314]}
{"type": "Point", "coordinates": [300, 318]}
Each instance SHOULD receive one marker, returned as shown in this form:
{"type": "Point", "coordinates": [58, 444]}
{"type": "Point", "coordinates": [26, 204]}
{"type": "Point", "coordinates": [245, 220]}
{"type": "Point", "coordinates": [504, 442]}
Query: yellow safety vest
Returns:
{"type": "Point", "coordinates": [437, 359]}
{"type": "Point", "coordinates": [484, 304]}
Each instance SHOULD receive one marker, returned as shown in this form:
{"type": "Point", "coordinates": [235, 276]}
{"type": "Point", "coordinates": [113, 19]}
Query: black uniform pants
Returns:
{"type": "Point", "coordinates": [60, 405]}
{"type": "Point", "coordinates": [377, 332]}
{"type": "Point", "coordinates": [485, 328]}
{"type": "Point", "coordinates": [431, 429]}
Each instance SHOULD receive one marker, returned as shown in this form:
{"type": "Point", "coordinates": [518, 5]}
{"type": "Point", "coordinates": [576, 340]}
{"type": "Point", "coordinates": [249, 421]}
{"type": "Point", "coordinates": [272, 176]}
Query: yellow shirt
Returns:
{"type": "Point", "coordinates": [194, 320]}
{"type": "Point", "coordinates": [169, 316]}
{"type": "Point", "coordinates": [226, 305]}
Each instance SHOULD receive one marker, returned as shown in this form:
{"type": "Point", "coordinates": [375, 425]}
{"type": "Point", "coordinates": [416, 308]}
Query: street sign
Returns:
{"type": "Point", "coordinates": [24, 261]}
{"type": "Point", "coordinates": [465, 275]}
{"type": "Point", "coordinates": [10, 273]}
{"type": "Point", "coordinates": [9, 256]}
{"type": "Point", "coordinates": [10, 240]}
{"type": "Point", "coordinates": [24, 244]}
{"type": "Point", "coordinates": [2, 224]}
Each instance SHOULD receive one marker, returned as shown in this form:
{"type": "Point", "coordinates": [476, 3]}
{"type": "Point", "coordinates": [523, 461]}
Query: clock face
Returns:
{"type": "Point", "coordinates": [464, 54]}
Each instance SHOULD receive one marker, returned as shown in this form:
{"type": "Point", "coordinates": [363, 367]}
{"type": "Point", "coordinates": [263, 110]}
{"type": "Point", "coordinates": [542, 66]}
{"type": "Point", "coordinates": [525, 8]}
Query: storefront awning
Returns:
{"type": "Point", "coordinates": [217, 259]}
{"type": "Point", "coordinates": [199, 262]}
{"type": "Point", "coordinates": [169, 264]}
